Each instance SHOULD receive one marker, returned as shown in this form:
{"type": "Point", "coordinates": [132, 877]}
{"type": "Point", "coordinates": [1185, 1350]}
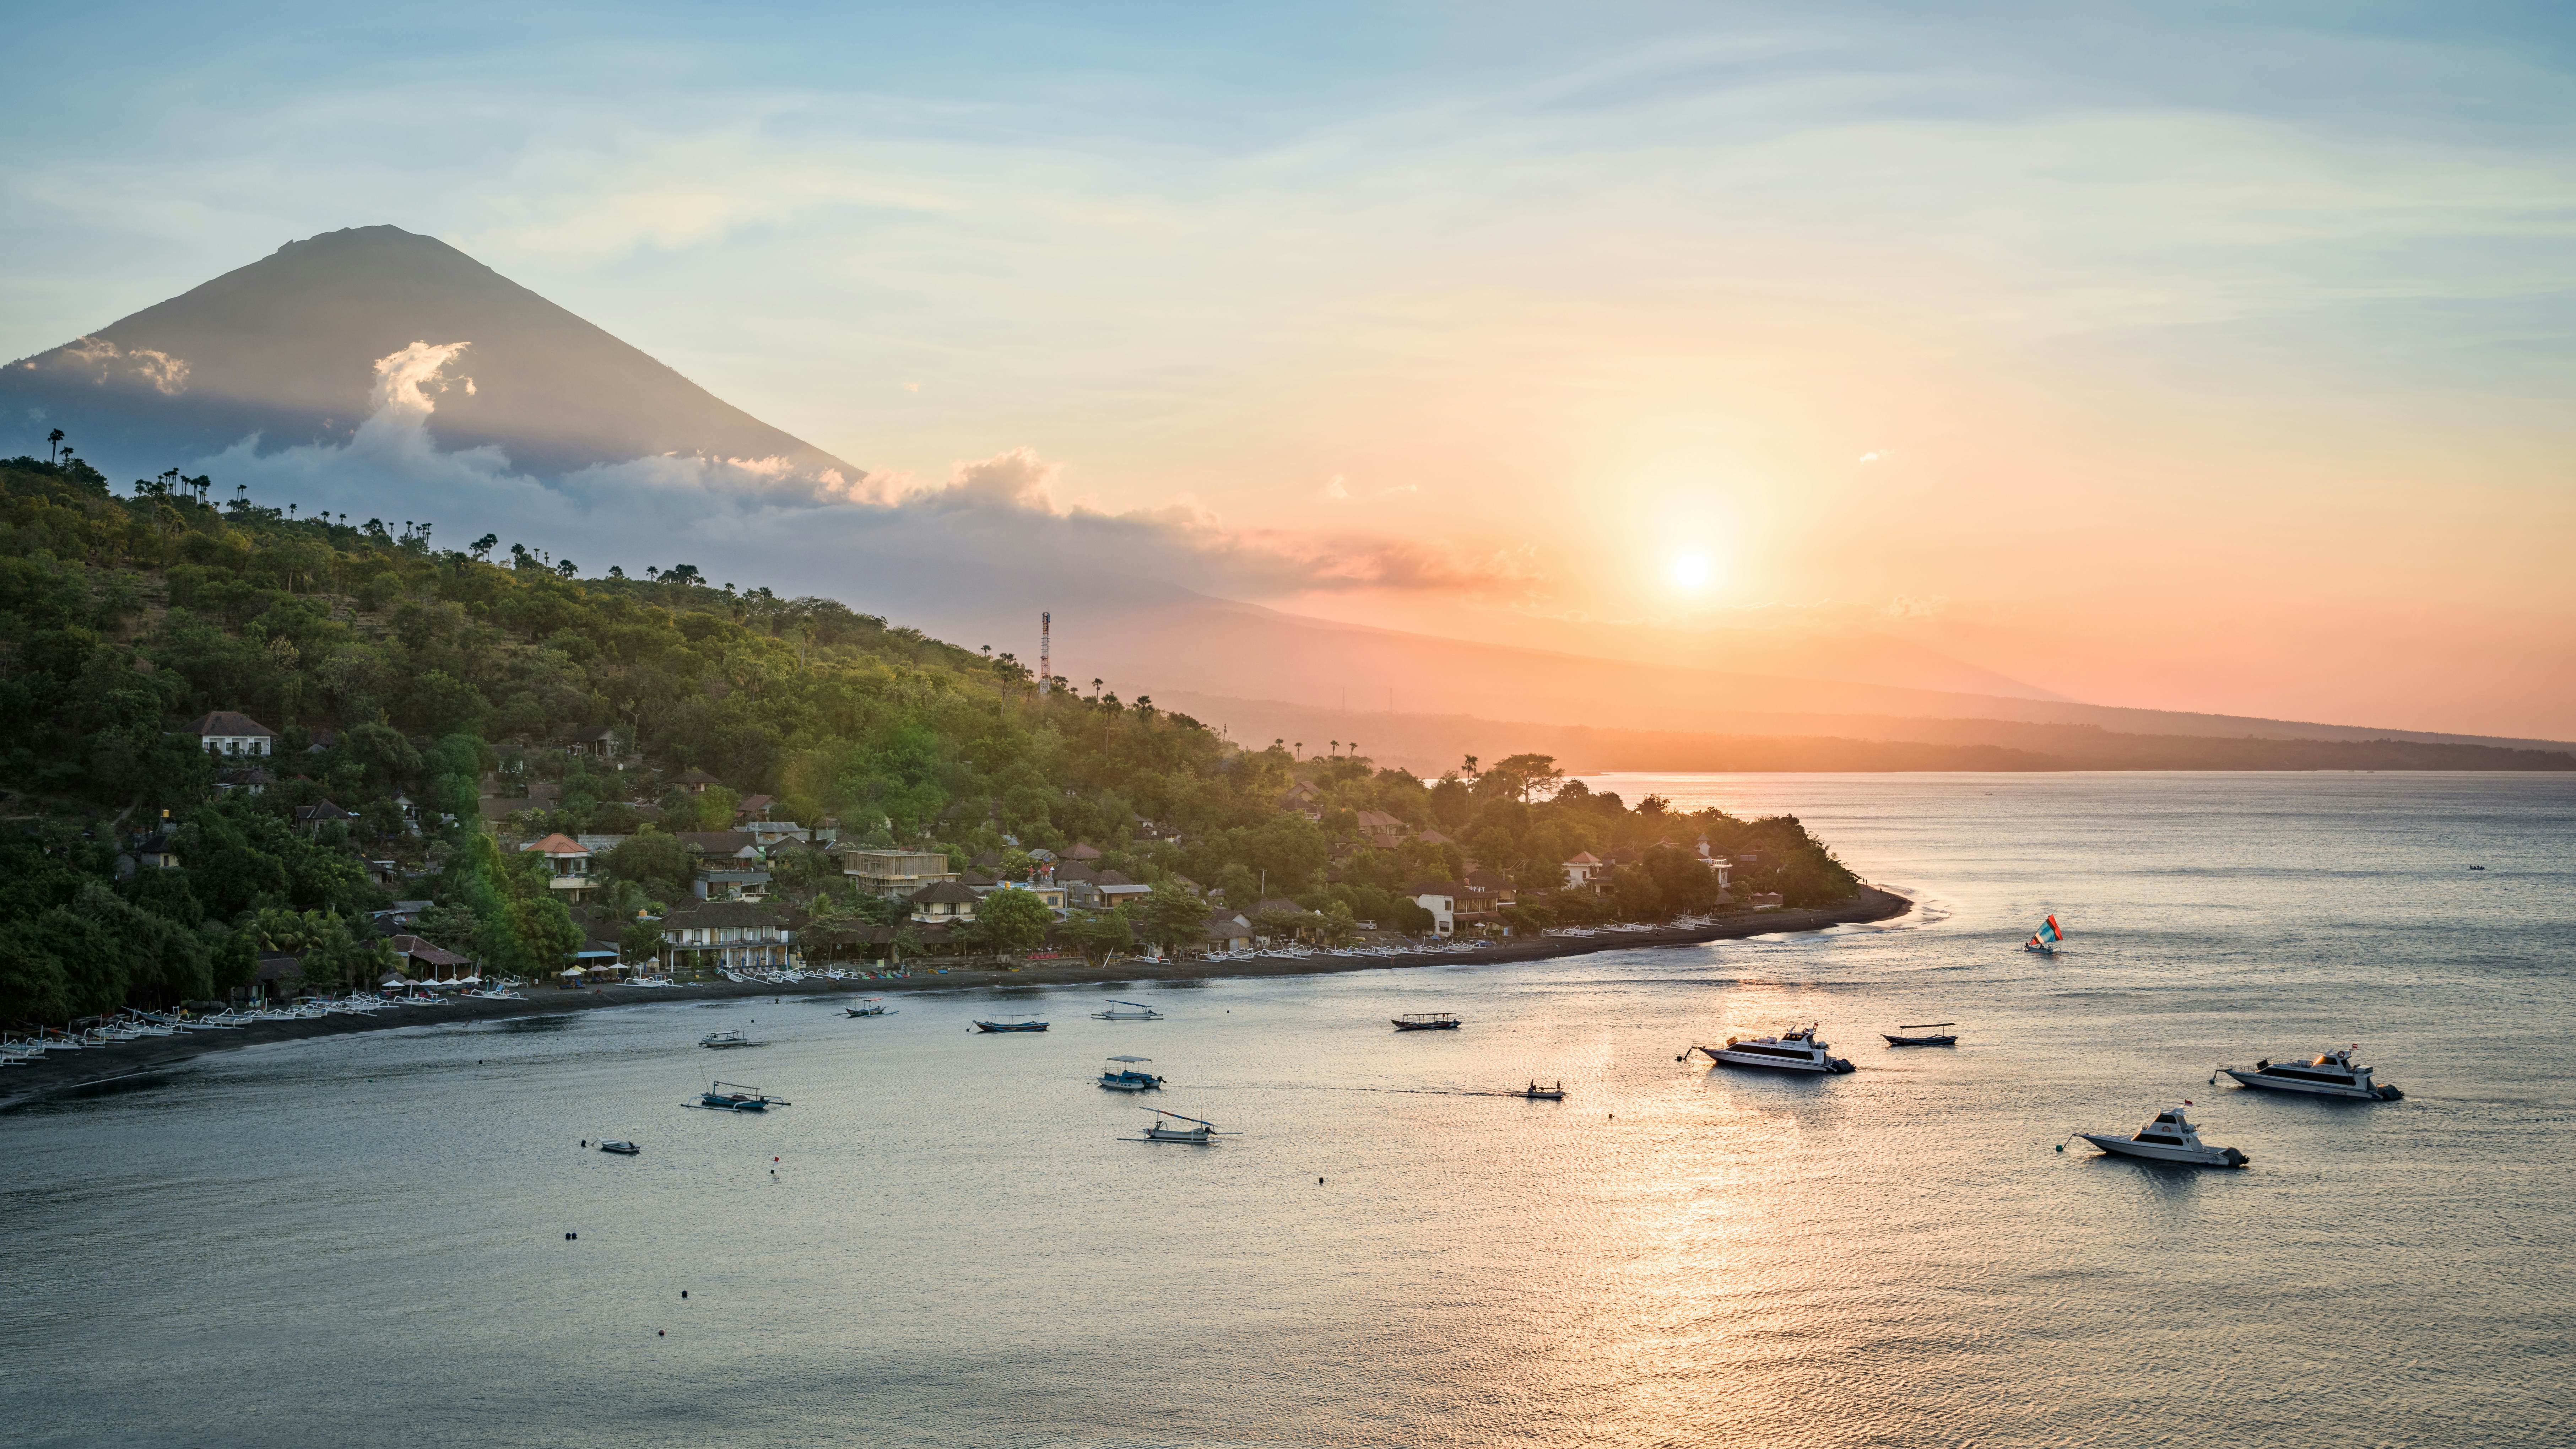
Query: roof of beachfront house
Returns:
{"type": "Point", "coordinates": [1584, 858]}
{"type": "Point", "coordinates": [718, 842]}
{"type": "Point", "coordinates": [228, 722]}
{"type": "Point", "coordinates": [721, 913]}
{"type": "Point", "coordinates": [940, 891]}
{"type": "Point", "coordinates": [560, 844]}
{"type": "Point", "coordinates": [1082, 850]}
{"type": "Point", "coordinates": [695, 777]}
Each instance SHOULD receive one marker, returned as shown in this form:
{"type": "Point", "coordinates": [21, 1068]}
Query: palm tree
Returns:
{"type": "Point", "coordinates": [1095, 689]}
{"type": "Point", "coordinates": [1336, 746]}
{"type": "Point", "coordinates": [54, 445]}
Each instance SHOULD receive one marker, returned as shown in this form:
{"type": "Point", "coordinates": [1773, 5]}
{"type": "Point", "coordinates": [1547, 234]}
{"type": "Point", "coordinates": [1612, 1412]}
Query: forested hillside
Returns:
{"type": "Point", "coordinates": [398, 675]}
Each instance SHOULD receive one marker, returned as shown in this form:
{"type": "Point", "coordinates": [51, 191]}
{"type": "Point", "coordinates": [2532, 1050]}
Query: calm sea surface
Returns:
{"type": "Point", "coordinates": [361, 1242]}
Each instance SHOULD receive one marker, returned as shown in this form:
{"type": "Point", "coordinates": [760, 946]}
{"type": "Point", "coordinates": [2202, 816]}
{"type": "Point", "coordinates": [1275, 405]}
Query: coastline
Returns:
{"type": "Point", "coordinates": [98, 1066]}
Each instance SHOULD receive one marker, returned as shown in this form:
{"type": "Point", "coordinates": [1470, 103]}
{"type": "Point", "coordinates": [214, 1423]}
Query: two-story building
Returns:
{"type": "Point", "coordinates": [896, 873]}
{"type": "Point", "coordinates": [1585, 872]}
{"type": "Point", "coordinates": [225, 732]}
{"type": "Point", "coordinates": [1440, 898]}
{"type": "Point", "coordinates": [568, 861]}
{"type": "Point", "coordinates": [724, 936]}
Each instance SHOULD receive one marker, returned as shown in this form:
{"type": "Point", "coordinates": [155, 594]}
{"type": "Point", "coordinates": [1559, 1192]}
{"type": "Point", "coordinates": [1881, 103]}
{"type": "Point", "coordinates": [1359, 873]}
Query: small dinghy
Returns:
{"type": "Point", "coordinates": [873, 1006]}
{"type": "Point", "coordinates": [1537, 1093]}
{"type": "Point", "coordinates": [620, 1146]}
{"type": "Point", "coordinates": [1931, 1036]}
{"type": "Point", "coordinates": [2169, 1138]}
{"type": "Point", "coordinates": [2045, 940]}
{"type": "Point", "coordinates": [1795, 1050]}
{"type": "Point", "coordinates": [1128, 1074]}
{"type": "Point", "coordinates": [2332, 1074]}
{"type": "Point", "coordinates": [735, 1097]}
{"type": "Point", "coordinates": [1166, 1127]}
{"type": "Point", "coordinates": [1127, 1011]}
{"type": "Point", "coordinates": [1010, 1026]}
{"type": "Point", "coordinates": [1427, 1021]}
{"type": "Point", "coordinates": [719, 1040]}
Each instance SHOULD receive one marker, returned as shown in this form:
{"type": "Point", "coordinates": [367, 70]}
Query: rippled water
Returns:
{"type": "Point", "coordinates": [361, 1241]}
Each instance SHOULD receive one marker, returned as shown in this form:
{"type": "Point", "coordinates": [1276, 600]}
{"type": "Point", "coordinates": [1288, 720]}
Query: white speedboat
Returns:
{"type": "Point", "coordinates": [1127, 1011]}
{"type": "Point", "coordinates": [1128, 1074]}
{"type": "Point", "coordinates": [1795, 1050]}
{"type": "Point", "coordinates": [2332, 1074]}
{"type": "Point", "coordinates": [2169, 1138]}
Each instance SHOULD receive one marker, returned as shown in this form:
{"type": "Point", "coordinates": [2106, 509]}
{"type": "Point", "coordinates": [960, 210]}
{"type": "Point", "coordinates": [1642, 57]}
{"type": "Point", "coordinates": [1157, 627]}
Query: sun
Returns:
{"type": "Point", "coordinates": [1692, 572]}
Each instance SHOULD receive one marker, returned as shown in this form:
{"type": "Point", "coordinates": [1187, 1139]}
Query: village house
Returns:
{"type": "Point", "coordinates": [943, 903]}
{"type": "Point", "coordinates": [724, 936]}
{"type": "Point", "coordinates": [695, 781]}
{"type": "Point", "coordinates": [225, 732]}
{"type": "Point", "coordinates": [1584, 872]}
{"type": "Point", "coordinates": [1228, 931]}
{"type": "Point", "coordinates": [251, 779]}
{"type": "Point", "coordinates": [599, 742]}
{"type": "Point", "coordinates": [568, 876]}
{"type": "Point", "coordinates": [421, 960]}
{"type": "Point", "coordinates": [158, 853]}
{"type": "Point", "coordinates": [1113, 889]}
{"type": "Point", "coordinates": [895, 873]}
{"type": "Point", "coordinates": [311, 818]}
{"type": "Point", "coordinates": [1440, 898]}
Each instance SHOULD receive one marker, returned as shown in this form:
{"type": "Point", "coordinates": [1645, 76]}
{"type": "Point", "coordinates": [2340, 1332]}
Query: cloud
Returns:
{"type": "Point", "coordinates": [1871, 457]}
{"type": "Point", "coordinates": [994, 523]}
{"type": "Point", "coordinates": [1336, 488]}
{"type": "Point", "coordinates": [95, 359]}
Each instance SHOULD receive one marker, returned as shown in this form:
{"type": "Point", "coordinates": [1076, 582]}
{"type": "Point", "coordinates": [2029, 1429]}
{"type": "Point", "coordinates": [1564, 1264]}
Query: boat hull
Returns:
{"type": "Point", "coordinates": [1000, 1026]}
{"type": "Point", "coordinates": [1426, 1026]}
{"type": "Point", "coordinates": [2158, 1152]}
{"type": "Point", "coordinates": [2267, 1082]}
{"type": "Point", "coordinates": [1943, 1040]}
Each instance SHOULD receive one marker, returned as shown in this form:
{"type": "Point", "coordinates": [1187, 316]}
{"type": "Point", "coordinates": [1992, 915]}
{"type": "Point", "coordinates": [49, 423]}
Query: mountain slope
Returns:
{"type": "Point", "coordinates": [287, 348]}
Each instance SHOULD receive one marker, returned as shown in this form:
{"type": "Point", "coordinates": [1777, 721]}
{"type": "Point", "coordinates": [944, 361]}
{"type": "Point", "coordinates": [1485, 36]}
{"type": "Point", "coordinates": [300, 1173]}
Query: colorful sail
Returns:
{"type": "Point", "coordinates": [2045, 938]}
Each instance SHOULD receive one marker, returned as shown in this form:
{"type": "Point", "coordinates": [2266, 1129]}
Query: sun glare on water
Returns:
{"type": "Point", "coordinates": [1692, 572]}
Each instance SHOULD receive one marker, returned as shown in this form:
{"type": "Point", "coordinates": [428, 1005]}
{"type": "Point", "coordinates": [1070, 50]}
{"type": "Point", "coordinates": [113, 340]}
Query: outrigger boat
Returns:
{"type": "Point", "coordinates": [2332, 1074]}
{"type": "Point", "coordinates": [2169, 1138]}
{"type": "Point", "coordinates": [1537, 1093]}
{"type": "Point", "coordinates": [1127, 1011]}
{"type": "Point", "coordinates": [1010, 1026]}
{"type": "Point", "coordinates": [1427, 1021]}
{"type": "Point", "coordinates": [1127, 1074]}
{"type": "Point", "coordinates": [1796, 1050]}
{"type": "Point", "coordinates": [620, 1146]}
{"type": "Point", "coordinates": [735, 1097]}
{"type": "Point", "coordinates": [873, 1006]}
{"type": "Point", "coordinates": [2046, 939]}
{"type": "Point", "coordinates": [1935, 1038]}
{"type": "Point", "coordinates": [721, 1039]}
{"type": "Point", "coordinates": [1199, 1133]}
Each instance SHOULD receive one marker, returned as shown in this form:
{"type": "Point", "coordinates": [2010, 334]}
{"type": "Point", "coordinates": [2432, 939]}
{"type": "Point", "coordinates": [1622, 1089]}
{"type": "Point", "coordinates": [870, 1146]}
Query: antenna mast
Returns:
{"type": "Point", "coordinates": [1046, 652]}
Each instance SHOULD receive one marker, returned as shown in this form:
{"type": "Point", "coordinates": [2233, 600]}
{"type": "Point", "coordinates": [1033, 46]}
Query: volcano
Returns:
{"type": "Point", "coordinates": [288, 349]}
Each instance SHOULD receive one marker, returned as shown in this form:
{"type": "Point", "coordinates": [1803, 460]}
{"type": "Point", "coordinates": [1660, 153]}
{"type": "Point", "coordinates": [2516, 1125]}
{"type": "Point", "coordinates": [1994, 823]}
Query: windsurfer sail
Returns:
{"type": "Point", "coordinates": [2045, 940]}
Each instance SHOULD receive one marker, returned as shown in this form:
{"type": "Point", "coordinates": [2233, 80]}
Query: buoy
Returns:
{"type": "Point", "coordinates": [568, 1237]}
{"type": "Point", "coordinates": [2061, 1147]}
{"type": "Point", "coordinates": [657, 1333]}
{"type": "Point", "coordinates": [684, 1292]}
{"type": "Point", "coordinates": [1319, 1182]}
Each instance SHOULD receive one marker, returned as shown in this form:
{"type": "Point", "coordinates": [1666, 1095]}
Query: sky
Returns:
{"type": "Point", "coordinates": [2205, 357]}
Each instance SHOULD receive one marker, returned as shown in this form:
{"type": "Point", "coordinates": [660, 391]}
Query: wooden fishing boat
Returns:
{"type": "Point", "coordinates": [1931, 1036]}
{"type": "Point", "coordinates": [1010, 1026]}
{"type": "Point", "coordinates": [1427, 1021]}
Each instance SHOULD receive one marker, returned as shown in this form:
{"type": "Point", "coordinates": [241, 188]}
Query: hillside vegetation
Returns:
{"type": "Point", "coordinates": [399, 675]}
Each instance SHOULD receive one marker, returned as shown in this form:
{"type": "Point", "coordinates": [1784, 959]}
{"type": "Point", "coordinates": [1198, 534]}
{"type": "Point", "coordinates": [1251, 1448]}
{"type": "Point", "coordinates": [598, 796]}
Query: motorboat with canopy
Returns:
{"type": "Point", "coordinates": [873, 1006]}
{"type": "Point", "coordinates": [1796, 1050]}
{"type": "Point", "coordinates": [1427, 1021]}
{"type": "Point", "coordinates": [1128, 1074]}
{"type": "Point", "coordinates": [1166, 1127]}
{"type": "Point", "coordinates": [1923, 1033]}
{"type": "Point", "coordinates": [719, 1040]}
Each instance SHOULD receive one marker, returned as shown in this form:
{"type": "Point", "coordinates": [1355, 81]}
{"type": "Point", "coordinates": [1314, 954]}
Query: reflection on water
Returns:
{"type": "Point", "coordinates": [946, 1242]}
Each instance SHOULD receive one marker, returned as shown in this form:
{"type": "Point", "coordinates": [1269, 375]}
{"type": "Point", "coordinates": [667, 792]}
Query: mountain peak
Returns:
{"type": "Point", "coordinates": [287, 349]}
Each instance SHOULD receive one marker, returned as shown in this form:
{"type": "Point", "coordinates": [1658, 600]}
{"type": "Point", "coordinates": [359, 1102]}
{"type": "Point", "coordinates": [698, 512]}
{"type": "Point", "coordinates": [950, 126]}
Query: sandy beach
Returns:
{"type": "Point", "coordinates": [98, 1066]}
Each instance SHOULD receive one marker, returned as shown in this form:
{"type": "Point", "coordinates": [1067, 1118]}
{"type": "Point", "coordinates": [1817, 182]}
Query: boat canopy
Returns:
{"type": "Point", "coordinates": [1131, 1059]}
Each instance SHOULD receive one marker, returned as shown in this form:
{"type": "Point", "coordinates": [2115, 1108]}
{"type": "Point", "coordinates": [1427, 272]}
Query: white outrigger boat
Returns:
{"type": "Point", "coordinates": [735, 1097]}
{"type": "Point", "coordinates": [1127, 1011]}
{"type": "Point", "coordinates": [2169, 1138]}
{"type": "Point", "coordinates": [1795, 1050]}
{"type": "Point", "coordinates": [718, 1040]}
{"type": "Point", "coordinates": [873, 1006]}
{"type": "Point", "coordinates": [1199, 1133]}
{"type": "Point", "coordinates": [1128, 1074]}
{"type": "Point", "coordinates": [2332, 1074]}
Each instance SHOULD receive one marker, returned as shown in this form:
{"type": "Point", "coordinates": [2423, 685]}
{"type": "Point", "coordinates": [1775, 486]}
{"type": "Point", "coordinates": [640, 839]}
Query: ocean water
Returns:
{"type": "Point", "coordinates": [946, 1240]}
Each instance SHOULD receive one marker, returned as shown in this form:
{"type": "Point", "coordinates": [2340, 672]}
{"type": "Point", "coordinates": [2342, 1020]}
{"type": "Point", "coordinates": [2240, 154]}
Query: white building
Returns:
{"type": "Point", "coordinates": [227, 733]}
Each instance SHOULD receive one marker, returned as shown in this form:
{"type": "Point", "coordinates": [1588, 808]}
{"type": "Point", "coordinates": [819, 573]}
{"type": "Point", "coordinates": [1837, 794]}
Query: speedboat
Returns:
{"type": "Point", "coordinates": [1127, 1074]}
{"type": "Point", "coordinates": [2169, 1138]}
{"type": "Point", "coordinates": [1127, 1011]}
{"type": "Point", "coordinates": [1931, 1036]}
{"type": "Point", "coordinates": [1537, 1093]}
{"type": "Point", "coordinates": [2330, 1075]}
{"type": "Point", "coordinates": [1427, 1021]}
{"type": "Point", "coordinates": [620, 1146]}
{"type": "Point", "coordinates": [873, 1006]}
{"type": "Point", "coordinates": [735, 1097]}
{"type": "Point", "coordinates": [1010, 1026]}
{"type": "Point", "coordinates": [1796, 1050]}
{"type": "Point", "coordinates": [722, 1039]}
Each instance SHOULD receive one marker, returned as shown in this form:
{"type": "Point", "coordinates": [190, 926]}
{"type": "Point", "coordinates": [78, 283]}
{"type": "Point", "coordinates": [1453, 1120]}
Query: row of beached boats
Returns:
{"type": "Point", "coordinates": [34, 1043]}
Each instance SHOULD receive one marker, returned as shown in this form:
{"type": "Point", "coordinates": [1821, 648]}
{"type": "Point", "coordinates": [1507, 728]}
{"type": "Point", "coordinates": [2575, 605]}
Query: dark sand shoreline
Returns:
{"type": "Point", "coordinates": [97, 1066]}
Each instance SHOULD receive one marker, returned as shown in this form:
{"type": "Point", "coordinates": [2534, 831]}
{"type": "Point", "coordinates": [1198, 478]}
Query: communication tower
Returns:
{"type": "Point", "coordinates": [1046, 652]}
